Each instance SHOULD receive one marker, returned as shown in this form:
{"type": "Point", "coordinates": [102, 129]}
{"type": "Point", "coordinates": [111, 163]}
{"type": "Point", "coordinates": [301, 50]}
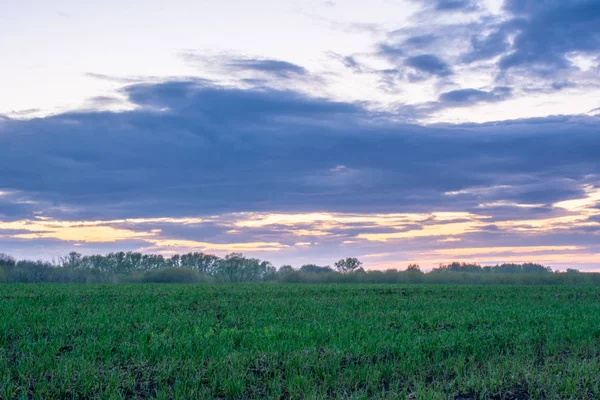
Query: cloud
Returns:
{"type": "Point", "coordinates": [70, 231]}
{"type": "Point", "coordinates": [429, 64]}
{"type": "Point", "coordinates": [546, 32]}
{"type": "Point", "coordinates": [538, 37]}
{"type": "Point", "coordinates": [456, 5]}
{"type": "Point", "coordinates": [465, 97]}
{"type": "Point", "coordinates": [532, 46]}
{"type": "Point", "coordinates": [185, 246]}
{"type": "Point", "coordinates": [274, 67]}
{"type": "Point", "coordinates": [392, 52]}
{"type": "Point", "coordinates": [115, 79]}
{"type": "Point", "coordinates": [456, 98]}
{"type": "Point", "coordinates": [249, 66]}
{"type": "Point", "coordinates": [24, 113]}
{"type": "Point", "coordinates": [420, 41]}
{"type": "Point", "coordinates": [193, 148]}
{"type": "Point", "coordinates": [484, 47]}
{"type": "Point", "coordinates": [448, 6]}
{"type": "Point", "coordinates": [233, 161]}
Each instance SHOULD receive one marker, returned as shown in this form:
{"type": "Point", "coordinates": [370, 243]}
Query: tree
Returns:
{"type": "Point", "coordinates": [152, 262]}
{"type": "Point", "coordinates": [6, 260]}
{"type": "Point", "coordinates": [174, 261]}
{"type": "Point", "coordinates": [284, 269]}
{"type": "Point", "coordinates": [33, 271]}
{"type": "Point", "coordinates": [314, 269]}
{"type": "Point", "coordinates": [456, 266]}
{"type": "Point", "coordinates": [237, 268]}
{"type": "Point", "coordinates": [201, 262]}
{"type": "Point", "coordinates": [413, 268]}
{"type": "Point", "coordinates": [73, 260]}
{"type": "Point", "coordinates": [346, 265]}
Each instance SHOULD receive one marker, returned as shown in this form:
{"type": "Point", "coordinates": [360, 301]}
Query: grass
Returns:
{"type": "Point", "coordinates": [299, 341]}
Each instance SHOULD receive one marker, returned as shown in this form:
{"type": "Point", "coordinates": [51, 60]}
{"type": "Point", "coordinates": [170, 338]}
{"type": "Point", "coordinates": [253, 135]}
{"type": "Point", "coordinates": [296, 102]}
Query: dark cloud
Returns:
{"type": "Point", "coordinates": [207, 103]}
{"type": "Point", "coordinates": [456, 5]}
{"type": "Point", "coordinates": [352, 63]}
{"type": "Point", "coordinates": [455, 98]}
{"type": "Point", "coordinates": [389, 78]}
{"type": "Point", "coordinates": [392, 52]}
{"type": "Point", "coordinates": [451, 5]}
{"type": "Point", "coordinates": [562, 85]}
{"type": "Point", "coordinates": [484, 47]}
{"type": "Point", "coordinates": [534, 46]}
{"type": "Point", "coordinates": [429, 64]}
{"type": "Point", "coordinates": [420, 41]}
{"type": "Point", "coordinates": [466, 97]}
{"type": "Point", "coordinates": [549, 30]}
{"type": "Point", "coordinates": [193, 148]}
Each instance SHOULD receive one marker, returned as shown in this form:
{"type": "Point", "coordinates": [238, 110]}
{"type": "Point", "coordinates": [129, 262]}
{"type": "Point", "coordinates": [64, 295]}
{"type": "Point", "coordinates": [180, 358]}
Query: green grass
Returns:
{"type": "Point", "coordinates": [299, 341]}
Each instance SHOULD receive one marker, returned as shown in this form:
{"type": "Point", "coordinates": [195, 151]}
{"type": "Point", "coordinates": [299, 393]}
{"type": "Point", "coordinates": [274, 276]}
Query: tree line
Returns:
{"type": "Point", "coordinates": [134, 267]}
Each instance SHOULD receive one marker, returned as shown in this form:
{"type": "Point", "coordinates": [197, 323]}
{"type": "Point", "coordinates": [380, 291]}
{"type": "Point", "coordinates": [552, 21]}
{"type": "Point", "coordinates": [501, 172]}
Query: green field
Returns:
{"type": "Point", "coordinates": [299, 341]}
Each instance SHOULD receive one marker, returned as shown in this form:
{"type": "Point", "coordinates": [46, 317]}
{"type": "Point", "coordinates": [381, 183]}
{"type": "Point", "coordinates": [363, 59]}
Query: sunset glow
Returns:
{"type": "Point", "coordinates": [402, 132]}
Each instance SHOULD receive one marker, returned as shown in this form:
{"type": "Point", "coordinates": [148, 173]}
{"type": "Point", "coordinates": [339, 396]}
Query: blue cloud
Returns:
{"type": "Point", "coordinates": [234, 64]}
{"type": "Point", "coordinates": [486, 47]}
{"type": "Point", "coordinates": [392, 52]}
{"type": "Point", "coordinates": [548, 30]}
{"type": "Point", "coordinates": [194, 148]}
{"type": "Point", "coordinates": [451, 5]}
{"type": "Point", "coordinates": [531, 46]}
{"type": "Point", "coordinates": [465, 97]}
{"type": "Point", "coordinates": [429, 64]}
{"type": "Point", "coordinates": [455, 5]}
{"type": "Point", "coordinates": [275, 67]}
{"type": "Point", "coordinates": [420, 41]}
{"type": "Point", "coordinates": [212, 103]}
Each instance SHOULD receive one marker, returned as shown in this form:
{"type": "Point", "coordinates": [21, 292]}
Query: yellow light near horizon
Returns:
{"type": "Point", "coordinates": [302, 244]}
{"type": "Point", "coordinates": [97, 234]}
{"type": "Point", "coordinates": [469, 251]}
{"type": "Point", "coordinates": [548, 224]}
{"type": "Point", "coordinates": [508, 204]}
{"type": "Point", "coordinates": [261, 220]}
{"type": "Point", "coordinates": [205, 246]}
{"type": "Point", "coordinates": [591, 199]}
{"type": "Point", "coordinates": [449, 216]}
{"type": "Point", "coordinates": [451, 229]}
{"type": "Point", "coordinates": [341, 229]}
{"type": "Point", "coordinates": [306, 232]}
{"type": "Point", "coordinates": [426, 262]}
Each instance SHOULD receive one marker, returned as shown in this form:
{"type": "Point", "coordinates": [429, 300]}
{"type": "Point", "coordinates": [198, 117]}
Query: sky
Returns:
{"type": "Point", "coordinates": [303, 131]}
